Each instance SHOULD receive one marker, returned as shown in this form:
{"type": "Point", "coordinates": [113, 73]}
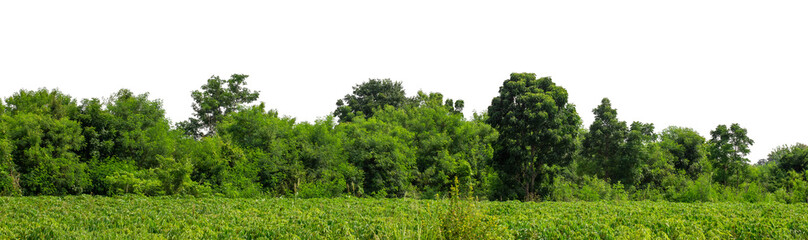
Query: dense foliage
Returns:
{"type": "Point", "coordinates": [88, 217]}
{"type": "Point", "coordinates": [529, 145]}
{"type": "Point", "coordinates": [538, 129]}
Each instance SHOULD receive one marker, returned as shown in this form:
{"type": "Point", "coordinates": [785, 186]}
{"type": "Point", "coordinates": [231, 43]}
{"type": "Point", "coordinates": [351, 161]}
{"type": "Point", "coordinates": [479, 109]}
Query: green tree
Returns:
{"type": "Point", "coordinates": [793, 157]}
{"type": "Point", "coordinates": [687, 149]}
{"type": "Point", "coordinates": [52, 103]}
{"type": "Point", "coordinates": [44, 152]}
{"type": "Point", "coordinates": [124, 132]}
{"type": "Point", "coordinates": [216, 99]}
{"type": "Point", "coordinates": [41, 141]}
{"type": "Point", "coordinates": [369, 96]}
{"type": "Point", "coordinates": [447, 146]}
{"type": "Point", "coordinates": [603, 144]}
{"type": "Point", "coordinates": [636, 153]}
{"type": "Point", "coordinates": [270, 141]}
{"type": "Point", "coordinates": [615, 151]}
{"type": "Point", "coordinates": [384, 154]}
{"type": "Point", "coordinates": [728, 148]}
{"type": "Point", "coordinates": [293, 158]}
{"type": "Point", "coordinates": [537, 127]}
{"type": "Point", "coordinates": [127, 127]}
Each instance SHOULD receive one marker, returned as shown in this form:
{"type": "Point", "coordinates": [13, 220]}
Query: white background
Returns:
{"type": "Point", "coordinates": [687, 63]}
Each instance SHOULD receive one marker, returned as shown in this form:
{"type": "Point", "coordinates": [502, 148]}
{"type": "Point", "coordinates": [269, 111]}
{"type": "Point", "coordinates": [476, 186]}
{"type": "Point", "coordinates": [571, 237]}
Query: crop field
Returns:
{"type": "Point", "coordinates": [88, 217]}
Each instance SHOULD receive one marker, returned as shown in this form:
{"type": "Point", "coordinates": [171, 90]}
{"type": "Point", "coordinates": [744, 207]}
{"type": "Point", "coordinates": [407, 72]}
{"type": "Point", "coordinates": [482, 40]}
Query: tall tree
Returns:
{"type": "Point", "coordinates": [537, 127]}
{"type": "Point", "coordinates": [728, 148]}
{"type": "Point", "coordinates": [603, 144]}
{"type": "Point", "coordinates": [216, 99]}
{"type": "Point", "coordinates": [370, 96]}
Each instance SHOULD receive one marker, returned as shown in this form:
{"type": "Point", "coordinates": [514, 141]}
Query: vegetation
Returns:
{"type": "Point", "coordinates": [133, 217]}
{"type": "Point", "coordinates": [538, 129]}
{"type": "Point", "coordinates": [529, 145]}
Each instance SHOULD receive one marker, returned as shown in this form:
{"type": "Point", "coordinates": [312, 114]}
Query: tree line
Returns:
{"type": "Point", "coordinates": [530, 144]}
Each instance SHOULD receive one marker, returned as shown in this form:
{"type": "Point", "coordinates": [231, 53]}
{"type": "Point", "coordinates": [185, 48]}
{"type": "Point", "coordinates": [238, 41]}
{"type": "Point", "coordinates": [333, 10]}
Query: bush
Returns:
{"type": "Point", "coordinates": [122, 182]}
{"type": "Point", "coordinates": [589, 189]}
{"type": "Point", "coordinates": [700, 190]}
{"type": "Point", "coordinates": [464, 220]}
{"type": "Point", "coordinates": [323, 188]}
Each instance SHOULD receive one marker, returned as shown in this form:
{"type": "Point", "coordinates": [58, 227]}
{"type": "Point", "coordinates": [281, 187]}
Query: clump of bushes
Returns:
{"type": "Point", "coordinates": [464, 220]}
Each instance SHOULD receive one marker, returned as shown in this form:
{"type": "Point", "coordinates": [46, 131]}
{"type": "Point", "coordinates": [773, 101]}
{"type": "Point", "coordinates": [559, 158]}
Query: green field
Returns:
{"type": "Point", "coordinates": [86, 217]}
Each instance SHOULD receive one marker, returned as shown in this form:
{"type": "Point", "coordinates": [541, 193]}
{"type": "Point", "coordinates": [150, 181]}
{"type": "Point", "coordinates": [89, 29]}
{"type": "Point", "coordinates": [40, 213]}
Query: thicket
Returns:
{"type": "Point", "coordinates": [529, 145]}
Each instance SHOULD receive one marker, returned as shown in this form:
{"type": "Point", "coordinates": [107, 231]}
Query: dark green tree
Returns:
{"type": "Point", "coordinates": [603, 144]}
{"type": "Point", "coordinates": [216, 99]}
{"type": "Point", "coordinates": [537, 128]}
{"type": "Point", "coordinates": [369, 96]}
{"type": "Point", "coordinates": [728, 148]}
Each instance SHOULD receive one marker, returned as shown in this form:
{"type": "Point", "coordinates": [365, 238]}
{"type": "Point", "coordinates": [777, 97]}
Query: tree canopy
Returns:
{"type": "Point", "coordinates": [216, 99]}
{"type": "Point", "coordinates": [537, 129]}
{"type": "Point", "coordinates": [529, 144]}
{"type": "Point", "coordinates": [368, 97]}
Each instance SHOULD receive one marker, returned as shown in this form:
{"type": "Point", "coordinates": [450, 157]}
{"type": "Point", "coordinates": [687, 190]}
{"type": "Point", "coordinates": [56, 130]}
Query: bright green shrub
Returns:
{"type": "Point", "coordinates": [9, 178]}
{"type": "Point", "coordinates": [384, 154]}
{"type": "Point", "coordinates": [43, 152]}
{"type": "Point", "coordinates": [700, 190]}
{"type": "Point", "coordinates": [464, 220]}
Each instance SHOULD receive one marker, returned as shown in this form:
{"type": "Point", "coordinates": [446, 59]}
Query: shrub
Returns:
{"type": "Point", "coordinates": [700, 190]}
{"type": "Point", "coordinates": [465, 221]}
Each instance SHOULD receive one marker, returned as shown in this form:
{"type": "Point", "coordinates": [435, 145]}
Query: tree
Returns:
{"type": "Point", "coordinates": [615, 151]}
{"type": "Point", "coordinates": [636, 153]}
{"type": "Point", "coordinates": [605, 140]}
{"type": "Point", "coordinates": [383, 152]}
{"type": "Point", "coordinates": [369, 96]}
{"type": "Point", "coordinates": [447, 146]}
{"type": "Point", "coordinates": [43, 150]}
{"type": "Point", "coordinates": [537, 127]}
{"type": "Point", "coordinates": [41, 141]}
{"type": "Point", "coordinates": [216, 99]}
{"type": "Point", "coordinates": [687, 148]}
{"type": "Point", "coordinates": [270, 140]}
{"type": "Point", "coordinates": [127, 127]}
{"type": "Point", "coordinates": [52, 103]}
{"type": "Point", "coordinates": [791, 158]}
{"type": "Point", "coordinates": [728, 148]}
